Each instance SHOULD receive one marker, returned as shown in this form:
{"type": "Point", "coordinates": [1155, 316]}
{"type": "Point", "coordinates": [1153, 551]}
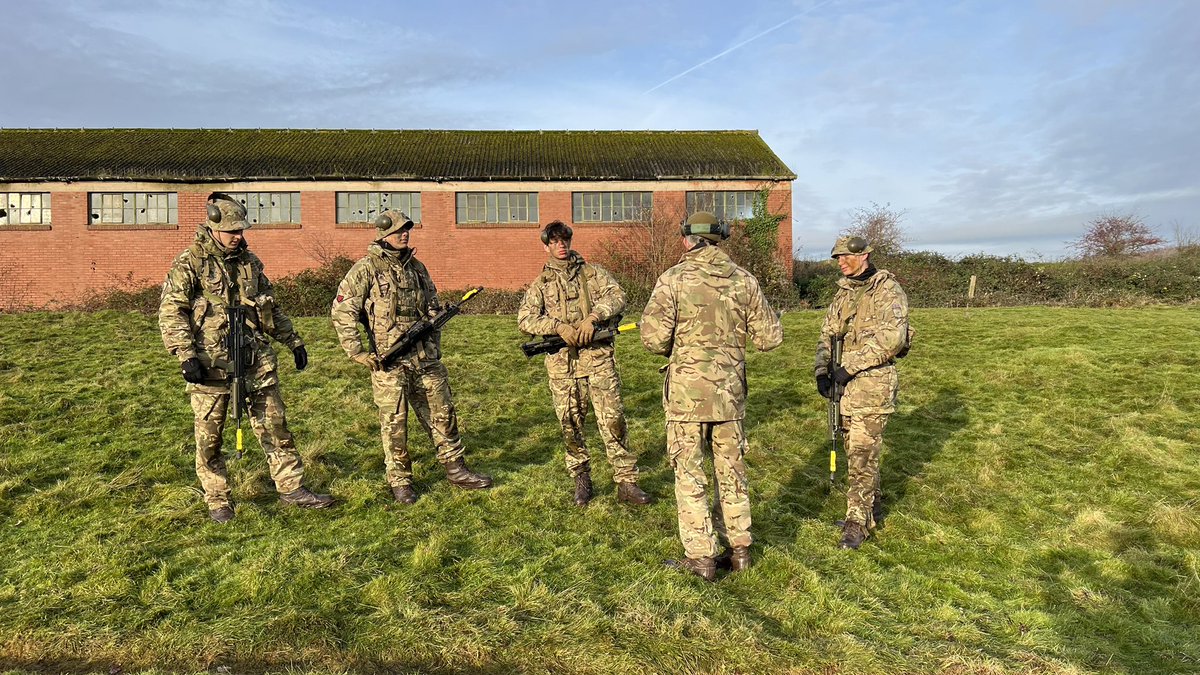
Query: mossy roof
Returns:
{"type": "Point", "coordinates": [188, 155]}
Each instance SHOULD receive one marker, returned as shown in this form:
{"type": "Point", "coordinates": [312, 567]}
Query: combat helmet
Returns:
{"type": "Point", "coordinates": [390, 222]}
{"type": "Point", "coordinates": [850, 245]}
{"type": "Point", "coordinates": [705, 225]}
{"type": "Point", "coordinates": [225, 214]}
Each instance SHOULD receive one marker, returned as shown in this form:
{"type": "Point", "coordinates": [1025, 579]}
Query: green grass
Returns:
{"type": "Point", "coordinates": [1041, 477]}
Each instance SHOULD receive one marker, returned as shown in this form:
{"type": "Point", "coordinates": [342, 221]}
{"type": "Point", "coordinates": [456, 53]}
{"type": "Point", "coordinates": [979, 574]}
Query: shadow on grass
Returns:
{"type": "Point", "coordinates": [912, 439]}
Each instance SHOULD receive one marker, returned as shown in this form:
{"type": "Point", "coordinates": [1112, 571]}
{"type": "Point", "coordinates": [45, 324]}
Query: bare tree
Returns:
{"type": "Point", "coordinates": [1115, 235]}
{"type": "Point", "coordinates": [1187, 239]}
{"type": "Point", "coordinates": [880, 225]}
{"type": "Point", "coordinates": [641, 251]}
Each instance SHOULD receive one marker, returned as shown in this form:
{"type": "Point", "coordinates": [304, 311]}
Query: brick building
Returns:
{"type": "Point", "coordinates": [89, 209]}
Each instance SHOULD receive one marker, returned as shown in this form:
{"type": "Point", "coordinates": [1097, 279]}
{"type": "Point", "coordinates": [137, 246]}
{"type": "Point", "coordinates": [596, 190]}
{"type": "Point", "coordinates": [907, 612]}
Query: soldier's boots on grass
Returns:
{"type": "Point", "coordinates": [630, 493]}
{"type": "Point", "coordinates": [460, 476]}
{"type": "Point", "coordinates": [735, 559]}
{"type": "Point", "coordinates": [222, 515]}
{"type": "Point", "coordinates": [705, 568]}
{"type": "Point", "coordinates": [405, 494]}
{"type": "Point", "coordinates": [877, 508]}
{"type": "Point", "coordinates": [853, 535]}
{"type": "Point", "coordinates": [304, 498]}
{"type": "Point", "coordinates": [583, 489]}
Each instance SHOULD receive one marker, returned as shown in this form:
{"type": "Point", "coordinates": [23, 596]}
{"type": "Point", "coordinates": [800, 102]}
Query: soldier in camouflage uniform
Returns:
{"type": "Point", "coordinates": [570, 298]}
{"type": "Point", "coordinates": [870, 314]}
{"type": "Point", "coordinates": [387, 291]}
{"type": "Point", "coordinates": [701, 313]}
{"type": "Point", "coordinates": [218, 271]}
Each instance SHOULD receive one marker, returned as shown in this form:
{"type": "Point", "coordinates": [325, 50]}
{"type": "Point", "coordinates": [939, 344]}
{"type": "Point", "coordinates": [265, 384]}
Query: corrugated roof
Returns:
{"type": "Point", "coordinates": [189, 155]}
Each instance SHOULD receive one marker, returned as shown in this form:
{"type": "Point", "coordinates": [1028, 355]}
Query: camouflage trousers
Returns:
{"type": "Point", "coordinates": [730, 514]}
{"type": "Point", "coordinates": [570, 404]}
{"type": "Point", "coordinates": [267, 419]}
{"type": "Point", "coordinates": [864, 445]}
{"type": "Point", "coordinates": [425, 387]}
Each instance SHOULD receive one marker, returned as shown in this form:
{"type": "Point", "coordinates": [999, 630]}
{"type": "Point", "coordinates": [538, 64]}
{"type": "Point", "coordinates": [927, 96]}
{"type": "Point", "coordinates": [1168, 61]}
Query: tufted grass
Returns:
{"type": "Point", "coordinates": [1042, 493]}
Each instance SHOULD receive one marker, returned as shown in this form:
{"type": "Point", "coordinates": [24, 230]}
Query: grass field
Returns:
{"type": "Point", "coordinates": [1041, 475]}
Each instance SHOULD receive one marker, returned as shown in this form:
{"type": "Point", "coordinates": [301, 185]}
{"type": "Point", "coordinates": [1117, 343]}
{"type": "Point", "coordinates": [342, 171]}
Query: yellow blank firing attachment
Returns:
{"type": "Point", "coordinates": [471, 293]}
{"type": "Point", "coordinates": [239, 440]}
{"type": "Point", "coordinates": [833, 462]}
{"type": "Point", "coordinates": [627, 328]}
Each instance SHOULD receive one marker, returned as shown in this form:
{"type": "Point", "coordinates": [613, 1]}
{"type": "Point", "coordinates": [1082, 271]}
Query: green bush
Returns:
{"type": "Point", "coordinates": [933, 280]}
{"type": "Point", "coordinates": [308, 293]}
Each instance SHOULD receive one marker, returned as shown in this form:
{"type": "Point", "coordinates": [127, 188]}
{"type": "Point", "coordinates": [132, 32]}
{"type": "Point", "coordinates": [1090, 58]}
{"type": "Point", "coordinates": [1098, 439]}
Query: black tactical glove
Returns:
{"type": "Point", "coordinates": [824, 386]}
{"type": "Point", "coordinates": [841, 376]}
{"type": "Point", "coordinates": [193, 370]}
{"type": "Point", "coordinates": [301, 356]}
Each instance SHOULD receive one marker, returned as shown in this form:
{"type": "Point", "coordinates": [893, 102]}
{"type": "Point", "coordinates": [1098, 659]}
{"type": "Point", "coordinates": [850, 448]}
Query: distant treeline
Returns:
{"type": "Point", "coordinates": [933, 280]}
{"type": "Point", "coordinates": [930, 279]}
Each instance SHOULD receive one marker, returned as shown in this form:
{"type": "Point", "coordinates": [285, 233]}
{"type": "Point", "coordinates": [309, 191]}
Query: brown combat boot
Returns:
{"type": "Point", "coordinates": [583, 489]}
{"type": "Point", "coordinates": [630, 493]}
{"type": "Point", "coordinates": [734, 559]}
{"type": "Point", "coordinates": [405, 494]}
{"type": "Point", "coordinates": [222, 515]}
{"type": "Point", "coordinates": [739, 559]}
{"type": "Point", "coordinates": [853, 535]}
{"type": "Point", "coordinates": [705, 568]}
{"type": "Point", "coordinates": [304, 498]}
{"type": "Point", "coordinates": [460, 476]}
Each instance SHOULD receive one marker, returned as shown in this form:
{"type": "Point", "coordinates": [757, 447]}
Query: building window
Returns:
{"type": "Point", "coordinates": [496, 207]}
{"type": "Point", "coordinates": [365, 207]}
{"type": "Point", "coordinates": [724, 205]}
{"type": "Point", "coordinates": [611, 207]}
{"type": "Point", "coordinates": [133, 208]}
{"type": "Point", "coordinates": [270, 208]}
{"type": "Point", "coordinates": [24, 208]}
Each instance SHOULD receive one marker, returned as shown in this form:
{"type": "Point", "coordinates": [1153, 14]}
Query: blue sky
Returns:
{"type": "Point", "coordinates": [998, 127]}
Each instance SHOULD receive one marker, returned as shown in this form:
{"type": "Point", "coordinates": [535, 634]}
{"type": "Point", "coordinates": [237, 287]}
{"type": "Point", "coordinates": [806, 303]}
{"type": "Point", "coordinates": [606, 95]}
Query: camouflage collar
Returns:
{"type": "Point", "coordinates": [570, 266]}
{"type": "Point", "coordinates": [401, 257]}
{"type": "Point", "coordinates": [210, 246]}
{"type": "Point", "coordinates": [711, 256]}
{"type": "Point", "coordinates": [874, 280]}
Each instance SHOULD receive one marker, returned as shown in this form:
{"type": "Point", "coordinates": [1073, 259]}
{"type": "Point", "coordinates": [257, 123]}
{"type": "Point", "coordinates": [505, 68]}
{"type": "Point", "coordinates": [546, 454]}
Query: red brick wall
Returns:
{"type": "Point", "coordinates": [61, 265]}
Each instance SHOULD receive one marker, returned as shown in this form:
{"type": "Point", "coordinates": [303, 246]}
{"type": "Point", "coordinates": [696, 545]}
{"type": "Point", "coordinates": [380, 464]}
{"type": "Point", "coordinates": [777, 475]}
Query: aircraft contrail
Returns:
{"type": "Point", "coordinates": [739, 45]}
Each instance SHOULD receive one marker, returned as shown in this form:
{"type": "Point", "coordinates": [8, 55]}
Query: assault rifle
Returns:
{"type": "Point", "coordinates": [235, 345]}
{"type": "Point", "coordinates": [836, 430]}
{"type": "Point", "coordinates": [552, 344]}
{"type": "Point", "coordinates": [423, 329]}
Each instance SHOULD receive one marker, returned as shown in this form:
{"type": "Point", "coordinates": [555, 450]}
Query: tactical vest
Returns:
{"type": "Point", "coordinates": [850, 327]}
{"type": "Point", "coordinates": [397, 298]}
{"type": "Point", "coordinates": [568, 295]}
{"type": "Point", "coordinates": [223, 284]}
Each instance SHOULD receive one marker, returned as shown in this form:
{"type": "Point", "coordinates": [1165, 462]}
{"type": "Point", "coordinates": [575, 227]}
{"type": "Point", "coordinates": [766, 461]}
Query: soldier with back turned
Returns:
{"type": "Point", "coordinates": [701, 314]}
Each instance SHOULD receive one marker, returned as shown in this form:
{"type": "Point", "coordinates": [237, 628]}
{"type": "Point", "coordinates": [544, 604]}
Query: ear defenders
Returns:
{"type": "Point", "coordinates": [719, 228]}
{"type": "Point", "coordinates": [557, 228]}
{"type": "Point", "coordinates": [384, 222]}
{"type": "Point", "coordinates": [214, 211]}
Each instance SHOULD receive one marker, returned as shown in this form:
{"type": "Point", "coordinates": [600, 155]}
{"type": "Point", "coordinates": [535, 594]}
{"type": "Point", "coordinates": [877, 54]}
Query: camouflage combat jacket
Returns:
{"type": "Point", "coordinates": [700, 314]}
{"type": "Point", "coordinates": [567, 294]}
{"type": "Point", "coordinates": [873, 317]}
{"type": "Point", "coordinates": [201, 284]}
{"type": "Point", "coordinates": [386, 292]}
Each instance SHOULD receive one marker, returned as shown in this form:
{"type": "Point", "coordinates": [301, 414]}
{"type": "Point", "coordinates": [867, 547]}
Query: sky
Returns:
{"type": "Point", "coordinates": [997, 127]}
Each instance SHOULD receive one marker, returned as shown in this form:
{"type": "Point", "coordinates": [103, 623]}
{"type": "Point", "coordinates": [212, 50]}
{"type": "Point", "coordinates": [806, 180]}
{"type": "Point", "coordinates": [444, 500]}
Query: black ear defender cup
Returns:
{"type": "Point", "coordinates": [214, 212]}
{"type": "Point", "coordinates": [383, 222]}
{"type": "Point", "coordinates": [545, 234]}
{"type": "Point", "coordinates": [856, 245]}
